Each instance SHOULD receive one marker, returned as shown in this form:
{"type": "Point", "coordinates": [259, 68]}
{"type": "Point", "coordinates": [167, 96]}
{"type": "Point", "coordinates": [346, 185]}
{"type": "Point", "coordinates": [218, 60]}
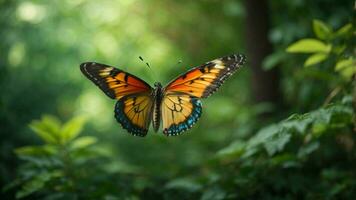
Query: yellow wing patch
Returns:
{"type": "Point", "coordinates": [137, 109]}
{"type": "Point", "coordinates": [134, 113]}
{"type": "Point", "coordinates": [179, 113]}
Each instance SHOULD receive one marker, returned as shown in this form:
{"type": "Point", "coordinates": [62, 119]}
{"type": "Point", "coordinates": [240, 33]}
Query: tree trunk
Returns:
{"type": "Point", "coordinates": [265, 84]}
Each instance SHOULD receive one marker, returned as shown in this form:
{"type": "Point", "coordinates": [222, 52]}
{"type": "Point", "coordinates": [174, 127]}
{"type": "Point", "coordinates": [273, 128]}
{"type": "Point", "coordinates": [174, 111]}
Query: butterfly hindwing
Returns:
{"type": "Point", "coordinates": [179, 112]}
{"type": "Point", "coordinates": [134, 113]}
{"type": "Point", "coordinates": [114, 82]}
{"type": "Point", "coordinates": [204, 80]}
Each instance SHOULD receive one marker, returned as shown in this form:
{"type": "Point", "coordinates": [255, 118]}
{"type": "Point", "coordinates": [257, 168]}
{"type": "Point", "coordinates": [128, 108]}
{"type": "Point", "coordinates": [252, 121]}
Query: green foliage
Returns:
{"type": "Point", "coordinates": [307, 127]}
{"type": "Point", "coordinates": [329, 44]}
{"type": "Point", "coordinates": [307, 156]}
{"type": "Point", "coordinates": [302, 147]}
{"type": "Point", "coordinates": [55, 165]}
{"type": "Point", "coordinates": [50, 130]}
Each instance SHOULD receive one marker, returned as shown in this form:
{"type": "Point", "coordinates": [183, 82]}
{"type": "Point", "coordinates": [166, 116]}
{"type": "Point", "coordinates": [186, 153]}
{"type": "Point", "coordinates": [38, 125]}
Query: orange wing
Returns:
{"type": "Point", "coordinates": [204, 80]}
{"type": "Point", "coordinates": [114, 82]}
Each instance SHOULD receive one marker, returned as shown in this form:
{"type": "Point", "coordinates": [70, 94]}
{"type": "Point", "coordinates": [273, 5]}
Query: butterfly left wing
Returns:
{"type": "Point", "coordinates": [134, 113]}
{"type": "Point", "coordinates": [204, 80]}
{"type": "Point", "coordinates": [133, 109]}
{"type": "Point", "coordinates": [114, 82]}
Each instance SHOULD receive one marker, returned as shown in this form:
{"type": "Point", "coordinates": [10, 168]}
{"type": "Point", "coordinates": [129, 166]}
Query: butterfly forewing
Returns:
{"type": "Point", "coordinates": [112, 81]}
{"type": "Point", "coordinates": [204, 80]}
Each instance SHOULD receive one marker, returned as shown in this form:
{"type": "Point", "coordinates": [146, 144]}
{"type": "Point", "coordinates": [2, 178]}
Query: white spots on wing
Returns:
{"type": "Point", "coordinates": [105, 72]}
{"type": "Point", "coordinates": [218, 64]}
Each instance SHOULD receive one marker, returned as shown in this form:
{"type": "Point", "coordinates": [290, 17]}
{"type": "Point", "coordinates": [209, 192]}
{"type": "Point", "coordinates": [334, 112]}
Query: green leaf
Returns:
{"type": "Point", "coordinates": [308, 149]}
{"type": "Point", "coordinates": [52, 122]}
{"type": "Point", "coordinates": [322, 116]}
{"type": "Point", "coordinates": [344, 63]}
{"type": "Point", "coordinates": [346, 67]}
{"type": "Point", "coordinates": [277, 143]}
{"type": "Point", "coordinates": [186, 184]}
{"type": "Point", "coordinates": [233, 150]}
{"type": "Point", "coordinates": [47, 128]}
{"type": "Point", "coordinates": [309, 46]}
{"type": "Point", "coordinates": [72, 128]}
{"type": "Point", "coordinates": [287, 160]}
{"type": "Point", "coordinates": [34, 185]}
{"type": "Point", "coordinates": [348, 73]}
{"type": "Point", "coordinates": [321, 30]}
{"type": "Point", "coordinates": [83, 142]}
{"type": "Point", "coordinates": [43, 132]}
{"type": "Point", "coordinates": [315, 59]}
{"type": "Point", "coordinates": [298, 123]}
{"type": "Point", "coordinates": [41, 161]}
{"type": "Point", "coordinates": [347, 100]}
{"type": "Point", "coordinates": [344, 30]}
{"type": "Point", "coordinates": [273, 138]}
{"type": "Point", "coordinates": [36, 150]}
{"type": "Point", "coordinates": [213, 193]}
{"type": "Point", "coordinates": [263, 135]}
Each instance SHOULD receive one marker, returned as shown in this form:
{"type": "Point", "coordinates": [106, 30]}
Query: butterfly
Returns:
{"type": "Point", "coordinates": [178, 104]}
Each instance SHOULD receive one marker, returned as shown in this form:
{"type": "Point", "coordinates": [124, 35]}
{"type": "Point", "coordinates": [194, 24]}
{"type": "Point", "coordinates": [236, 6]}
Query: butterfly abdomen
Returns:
{"type": "Point", "coordinates": [158, 95]}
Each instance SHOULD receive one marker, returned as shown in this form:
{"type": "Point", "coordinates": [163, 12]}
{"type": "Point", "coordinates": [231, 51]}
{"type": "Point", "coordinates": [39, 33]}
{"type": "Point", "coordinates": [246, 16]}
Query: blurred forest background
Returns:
{"type": "Point", "coordinates": [283, 127]}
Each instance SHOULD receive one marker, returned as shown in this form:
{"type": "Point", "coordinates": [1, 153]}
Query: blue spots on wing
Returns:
{"type": "Point", "coordinates": [126, 122]}
{"type": "Point", "coordinates": [176, 129]}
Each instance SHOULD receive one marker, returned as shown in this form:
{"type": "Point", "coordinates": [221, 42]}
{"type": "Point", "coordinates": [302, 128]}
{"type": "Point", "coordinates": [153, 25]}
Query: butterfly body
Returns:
{"type": "Point", "coordinates": [158, 95]}
{"type": "Point", "coordinates": [177, 105]}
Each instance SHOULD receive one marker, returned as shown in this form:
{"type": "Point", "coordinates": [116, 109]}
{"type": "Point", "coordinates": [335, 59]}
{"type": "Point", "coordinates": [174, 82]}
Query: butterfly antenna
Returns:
{"type": "Point", "coordinates": [148, 65]}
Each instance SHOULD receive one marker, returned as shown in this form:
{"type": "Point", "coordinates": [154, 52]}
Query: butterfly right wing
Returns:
{"type": "Point", "coordinates": [134, 113]}
{"type": "Point", "coordinates": [181, 106]}
{"type": "Point", "coordinates": [180, 112]}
